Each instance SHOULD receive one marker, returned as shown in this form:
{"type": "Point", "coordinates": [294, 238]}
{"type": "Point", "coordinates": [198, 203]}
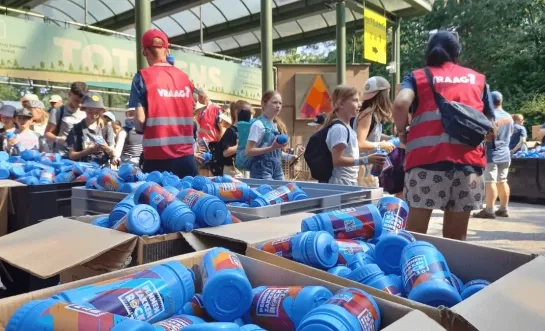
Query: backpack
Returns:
{"type": "Point", "coordinates": [461, 122]}
{"type": "Point", "coordinates": [318, 156]}
{"type": "Point", "coordinates": [59, 120]}
{"type": "Point", "coordinates": [243, 162]}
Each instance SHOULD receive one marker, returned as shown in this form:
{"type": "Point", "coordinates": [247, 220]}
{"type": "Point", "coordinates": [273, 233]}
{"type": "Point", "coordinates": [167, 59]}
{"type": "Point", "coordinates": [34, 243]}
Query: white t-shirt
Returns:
{"type": "Point", "coordinates": [338, 134]}
{"type": "Point", "coordinates": [257, 131]}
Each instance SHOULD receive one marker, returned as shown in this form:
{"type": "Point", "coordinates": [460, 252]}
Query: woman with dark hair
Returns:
{"type": "Point", "coordinates": [441, 172]}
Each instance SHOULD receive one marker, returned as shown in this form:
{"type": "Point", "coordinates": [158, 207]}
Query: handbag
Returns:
{"type": "Point", "coordinates": [461, 122]}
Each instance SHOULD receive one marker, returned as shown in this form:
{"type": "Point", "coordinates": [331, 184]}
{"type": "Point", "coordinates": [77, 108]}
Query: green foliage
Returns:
{"type": "Point", "coordinates": [533, 111]}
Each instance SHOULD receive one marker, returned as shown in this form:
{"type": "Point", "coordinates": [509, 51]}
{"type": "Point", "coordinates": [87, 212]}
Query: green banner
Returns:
{"type": "Point", "coordinates": [44, 51]}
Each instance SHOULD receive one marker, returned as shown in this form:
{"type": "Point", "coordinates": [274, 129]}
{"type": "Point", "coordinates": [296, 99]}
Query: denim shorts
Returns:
{"type": "Point", "coordinates": [267, 168]}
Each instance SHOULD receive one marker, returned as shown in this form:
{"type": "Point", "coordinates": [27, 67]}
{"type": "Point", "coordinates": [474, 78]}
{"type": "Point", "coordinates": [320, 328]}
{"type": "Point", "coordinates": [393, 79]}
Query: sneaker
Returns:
{"type": "Point", "coordinates": [501, 213]}
{"type": "Point", "coordinates": [484, 214]}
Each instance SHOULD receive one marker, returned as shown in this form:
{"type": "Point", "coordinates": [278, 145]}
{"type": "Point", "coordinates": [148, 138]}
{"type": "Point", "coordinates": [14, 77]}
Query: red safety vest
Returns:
{"type": "Point", "coordinates": [427, 142]}
{"type": "Point", "coordinates": [207, 122]}
{"type": "Point", "coordinates": [168, 129]}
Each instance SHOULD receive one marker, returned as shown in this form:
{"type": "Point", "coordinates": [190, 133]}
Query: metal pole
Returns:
{"type": "Point", "coordinates": [142, 11]}
{"type": "Point", "coordinates": [85, 9]}
{"type": "Point", "coordinates": [266, 45]}
{"type": "Point", "coordinates": [341, 42]}
{"type": "Point", "coordinates": [396, 57]}
{"type": "Point", "coordinates": [201, 25]}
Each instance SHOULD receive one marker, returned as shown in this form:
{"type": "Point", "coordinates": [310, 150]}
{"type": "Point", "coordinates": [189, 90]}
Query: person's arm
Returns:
{"type": "Point", "coordinates": [228, 143]}
{"type": "Point", "coordinates": [522, 140]}
{"type": "Point", "coordinates": [257, 132]}
{"type": "Point", "coordinates": [120, 143]}
{"type": "Point", "coordinates": [51, 128]}
{"type": "Point", "coordinates": [137, 99]}
{"type": "Point", "coordinates": [71, 146]}
{"type": "Point", "coordinates": [488, 111]}
{"type": "Point", "coordinates": [403, 102]}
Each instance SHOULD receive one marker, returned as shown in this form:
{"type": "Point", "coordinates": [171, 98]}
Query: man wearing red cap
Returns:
{"type": "Point", "coordinates": [163, 98]}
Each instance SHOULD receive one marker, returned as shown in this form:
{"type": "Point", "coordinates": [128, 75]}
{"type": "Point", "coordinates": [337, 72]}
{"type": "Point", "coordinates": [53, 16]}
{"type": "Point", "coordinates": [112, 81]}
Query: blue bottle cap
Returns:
{"type": "Point", "coordinates": [435, 293]}
{"type": "Point", "coordinates": [178, 217]}
{"type": "Point", "coordinates": [186, 282]}
{"type": "Point", "coordinates": [365, 272]}
{"type": "Point", "coordinates": [326, 257]}
{"type": "Point", "coordinates": [388, 252]}
{"type": "Point", "coordinates": [213, 326]}
{"type": "Point", "coordinates": [143, 220]}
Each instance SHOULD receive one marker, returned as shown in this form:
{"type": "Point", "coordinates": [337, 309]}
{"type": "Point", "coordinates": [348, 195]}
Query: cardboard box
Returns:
{"type": "Point", "coordinates": [5, 203]}
{"type": "Point", "coordinates": [77, 250]}
{"type": "Point", "coordinates": [259, 273]}
{"type": "Point", "coordinates": [467, 261]}
{"type": "Point", "coordinates": [415, 321]}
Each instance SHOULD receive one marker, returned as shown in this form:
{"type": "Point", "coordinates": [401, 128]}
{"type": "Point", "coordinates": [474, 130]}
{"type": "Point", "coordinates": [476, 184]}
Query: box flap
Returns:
{"type": "Point", "coordinates": [514, 302]}
{"type": "Point", "coordinates": [9, 183]}
{"type": "Point", "coordinates": [415, 321]}
{"type": "Point", "coordinates": [259, 230]}
{"type": "Point", "coordinates": [54, 245]}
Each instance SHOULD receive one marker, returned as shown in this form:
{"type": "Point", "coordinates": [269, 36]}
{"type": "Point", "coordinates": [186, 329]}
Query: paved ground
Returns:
{"type": "Point", "coordinates": [523, 231]}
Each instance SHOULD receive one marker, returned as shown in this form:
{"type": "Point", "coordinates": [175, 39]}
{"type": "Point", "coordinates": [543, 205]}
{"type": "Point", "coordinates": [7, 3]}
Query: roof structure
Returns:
{"type": "Point", "coordinates": [230, 27]}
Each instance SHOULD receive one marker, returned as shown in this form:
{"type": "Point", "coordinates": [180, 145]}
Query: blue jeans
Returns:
{"type": "Point", "coordinates": [267, 168]}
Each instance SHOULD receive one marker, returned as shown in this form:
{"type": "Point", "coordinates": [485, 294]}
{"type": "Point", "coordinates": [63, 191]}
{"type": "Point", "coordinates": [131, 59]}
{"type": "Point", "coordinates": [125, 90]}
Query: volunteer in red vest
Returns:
{"type": "Point", "coordinates": [210, 132]}
{"type": "Point", "coordinates": [441, 173]}
{"type": "Point", "coordinates": [163, 98]}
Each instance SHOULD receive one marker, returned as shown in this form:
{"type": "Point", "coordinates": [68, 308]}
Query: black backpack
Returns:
{"type": "Point", "coordinates": [318, 156]}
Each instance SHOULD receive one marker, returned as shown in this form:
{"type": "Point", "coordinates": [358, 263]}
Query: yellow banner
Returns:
{"type": "Point", "coordinates": [374, 37]}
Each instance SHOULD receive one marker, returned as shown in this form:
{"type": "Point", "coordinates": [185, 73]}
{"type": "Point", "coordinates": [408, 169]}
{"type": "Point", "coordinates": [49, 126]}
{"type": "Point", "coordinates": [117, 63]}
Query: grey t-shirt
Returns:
{"type": "Point", "coordinates": [67, 122]}
{"type": "Point", "coordinates": [338, 134]}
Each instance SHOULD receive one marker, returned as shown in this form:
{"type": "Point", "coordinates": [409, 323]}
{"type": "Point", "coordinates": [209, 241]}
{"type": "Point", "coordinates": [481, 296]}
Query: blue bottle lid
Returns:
{"type": "Point", "coordinates": [178, 217]}
{"type": "Point", "coordinates": [251, 327]}
{"type": "Point", "coordinates": [435, 293]}
{"type": "Point", "coordinates": [17, 171]}
{"type": "Point", "coordinates": [213, 326]}
{"type": "Point", "coordinates": [102, 221]}
{"type": "Point", "coordinates": [364, 273]}
{"type": "Point", "coordinates": [326, 257]}
{"type": "Point", "coordinates": [4, 173]}
{"type": "Point", "coordinates": [186, 282]}
{"type": "Point", "coordinates": [340, 271]}
{"type": "Point", "coordinates": [143, 220]}
{"type": "Point", "coordinates": [215, 211]}
{"type": "Point", "coordinates": [360, 259]}
{"type": "Point", "coordinates": [388, 252]}
{"type": "Point", "coordinates": [473, 287]}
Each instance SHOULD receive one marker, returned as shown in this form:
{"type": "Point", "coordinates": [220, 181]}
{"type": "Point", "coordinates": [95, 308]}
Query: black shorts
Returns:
{"type": "Point", "coordinates": [181, 167]}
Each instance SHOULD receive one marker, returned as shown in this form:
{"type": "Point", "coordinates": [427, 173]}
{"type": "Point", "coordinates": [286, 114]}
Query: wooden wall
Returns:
{"type": "Point", "coordinates": [299, 131]}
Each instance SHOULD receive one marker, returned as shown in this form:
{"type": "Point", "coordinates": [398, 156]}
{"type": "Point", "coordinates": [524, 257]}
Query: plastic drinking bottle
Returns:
{"type": "Point", "coordinates": [426, 276]}
{"type": "Point", "coordinates": [130, 187]}
{"type": "Point", "coordinates": [359, 260]}
{"type": "Point", "coordinates": [223, 279]}
{"type": "Point", "coordinates": [350, 309]}
{"type": "Point", "coordinates": [102, 221]}
{"type": "Point", "coordinates": [473, 286]}
{"type": "Point", "coordinates": [122, 207]}
{"type": "Point", "coordinates": [228, 192]}
{"type": "Point", "coordinates": [213, 326]}
{"type": "Point", "coordinates": [282, 308]}
{"type": "Point", "coordinates": [362, 222]}
{"type": "Point", "coordinates": [317, 249]}
{"type": "Point", "coordinates": [282, 139]}
{"type": "Point", "coordinates": [195, 307]}
{"type": "Point", "coordinates": [376, 170]}
{"type": "Point", "coordinates": [175, 215]}
{"type": "Point", "coordinates": [155, 177]}
{"type": "Point", "coordinates": [340, 271]}
{"type": "Point", "coordinates": [151, 295]}
{"type": "Point", "coordinates": [388, 250]}
{"type": "Point", "coordinates": [371, 275]}
{"type": "Point", "coordinates": [348, 248]}
{"type": "Point", "coordinates": [170, 59]}
{"type": "Point", "coordinates": [177, 323]}
{"type": "Point", "coordinates": [141, 220]}
{"type": "Point", "coordinates": [130, 173]}
{"type": "Point", "coordinates": [209, 210]}
{"type": "Point", "coordinates": [251, 327]}
{"type": "Point", "coordinates": [394, 212]}
{"type": "Point", "coordinates": [457, 283]}
{"type": "Point", "coordinates": [199, 182]}
{"type": "Point", "coordinates": [286, 193]}
{"type": "Point", "coordinates": [54, 315]}
{"type": "Point", "coordinates": [110, 181]}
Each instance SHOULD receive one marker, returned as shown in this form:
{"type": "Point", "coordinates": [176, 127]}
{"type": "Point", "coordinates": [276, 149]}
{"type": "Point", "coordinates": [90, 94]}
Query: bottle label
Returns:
{"type": "Point", "coordinates": [85, 310]}
{"type": "Point", "coordinates": [280, 195]}
{"type": "Point", "coordinates": [121, 225]}
{"type": "Point", "coordinates": [281, 247]}
{"type": "Point", "coordinates": [197, 307]}
{"type": "Point", "coordinates": [175, 323]}
{"type": "Point", "coordinates": [352, 223]}
{"type": "Point", "coordinates": [157, 197]}
{"type": "Point", "coordinates": [270, 307]}
{"type": "Point", "coordinates": [392, 290]}
{"type": "Point", "coordinates": [393, 216]}
{"type": "Point", "coordinates": [192, 197]}
{"type": "Point", "coordinates": [349, 248]}
{"type": "Point", "coordinates": [230, 192]}
{"type": "Point", "coordinates": [142, 298]}
{"type": "Point", "coordinates": [63, 316]}
{"type": "Point", "coordinates": [222, 261]}
{"type": "Point", "coordinates": [418, 270]}
{"type": "Point", "coordinates": [357, 304]}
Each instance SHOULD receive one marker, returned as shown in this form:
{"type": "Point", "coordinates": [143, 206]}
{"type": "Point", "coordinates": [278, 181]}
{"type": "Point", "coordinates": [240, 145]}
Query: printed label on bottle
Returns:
{"type": "Point", "coordinates": [281, 247]}
{"type": "Point", "coordinates": [357, 304]}
{"type": "Point", "coordinates": [138, 298]}
{"type": "Point", "coordinates": [349, 248]}
{"type": "Point", "coordinates": [417, 270]}
{"type": "Point", "coordinates": [191, 198]}
{"type": "Point", "coordinates": [228, 187]}
{"type": "Point", "coordinates": [477, 282]}
{"type": "Point", "coordinates": [352, 223]}
{"type": "Point", "coordinates": [230, 191]}
{"type": "Point", "coordinates": [406, 235]}
{"type": "Point", "coordinates": [85, 310]}
{"type": "Point", "coordinates": [392, 221]}
{"type": "Point", "coordinates": [121, 225]}
{"type": "Point", "coordinates": [175, 323]}
{"type": "Point", "coordinates": [280, 195]}
{"type": "Point", "coordinates": [226, 260]}
{"type": "Point", "coordinates": [270, 307]}
{"type": "Point", "coordinates": [392, 290]}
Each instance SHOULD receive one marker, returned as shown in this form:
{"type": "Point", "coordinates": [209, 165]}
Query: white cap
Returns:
{"type": "Point", "coordinates": [28, 97]}
{"type": "Point", "coordinates": [110, 115]}
{"type": "Point", "coordinates": [55, 98]}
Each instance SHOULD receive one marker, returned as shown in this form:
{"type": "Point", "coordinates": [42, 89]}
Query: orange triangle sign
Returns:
{"type": "Point", "coordinates": [317, 99]}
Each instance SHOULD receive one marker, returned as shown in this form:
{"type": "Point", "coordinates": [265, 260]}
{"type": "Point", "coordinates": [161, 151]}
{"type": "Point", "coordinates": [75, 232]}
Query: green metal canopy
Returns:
{"type": "Point", "coordinates": [230, 27]}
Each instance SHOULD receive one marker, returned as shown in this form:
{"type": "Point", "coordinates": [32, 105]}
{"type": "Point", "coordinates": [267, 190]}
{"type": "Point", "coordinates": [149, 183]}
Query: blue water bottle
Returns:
{"type": "Point", "coordinates": [177, 322]}
{"type": "Point", "coordinates": [223, 279]}
{"type": "Point", "coordinates": [426, 276]}
{"type": "Point", "coordinates": [350, 309]}
{"type": "Point", "coordinates": [371, 275]}
{"type": "Point", "coordinates": [122, 208]}
{"type": "Point", "coordinates": [473, 286]}
{"type": "Point", "coordinates": [209, 210]}
{"type": "Point", "coordinates": [314, 248]}
{"type": "Point", "coordinates": [388, 250]}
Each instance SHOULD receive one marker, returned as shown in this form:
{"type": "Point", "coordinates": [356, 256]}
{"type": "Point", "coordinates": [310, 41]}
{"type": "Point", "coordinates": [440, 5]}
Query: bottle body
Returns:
{"type": "Point", "coordinates": [228, 192]}
{"type": "Point", "coordinates": [394, 212]}
{"type": "Point", "coordinates": [348, 248]}
{"type": "Point", "coordinates": [208, 210]}
{"type": "Point", "coordinates": [286, 193]}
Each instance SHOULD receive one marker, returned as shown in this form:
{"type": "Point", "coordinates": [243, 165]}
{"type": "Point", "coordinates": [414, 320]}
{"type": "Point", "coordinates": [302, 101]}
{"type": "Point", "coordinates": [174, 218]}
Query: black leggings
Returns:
{"type": "Point", "coordinates": [181, 167]}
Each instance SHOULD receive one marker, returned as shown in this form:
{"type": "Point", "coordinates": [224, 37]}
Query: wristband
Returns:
{"type": "Point", "coordinates": [356, 161]}
{"type": "Point", "coordinates": [377, 146]}
{"type": "Point", "coordinates": [365, 160]}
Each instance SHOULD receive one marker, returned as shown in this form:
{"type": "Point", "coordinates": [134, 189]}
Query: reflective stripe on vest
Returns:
{"type": "Point", "coordinates": [156, 142]}
{"type": "Point", "coordinates": [169, 121]}
{"type": "Point", "coordinates": [431, 141]}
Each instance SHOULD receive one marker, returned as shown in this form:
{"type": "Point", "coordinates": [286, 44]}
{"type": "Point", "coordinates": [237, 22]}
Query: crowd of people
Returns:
{"type": "Point", "coordinates": [165, 131]}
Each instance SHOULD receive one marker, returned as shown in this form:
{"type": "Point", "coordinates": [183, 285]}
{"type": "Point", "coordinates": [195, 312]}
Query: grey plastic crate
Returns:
{"type": "Point", "coordinates": [322, 197]}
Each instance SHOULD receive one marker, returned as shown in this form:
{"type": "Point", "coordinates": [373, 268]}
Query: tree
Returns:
{"type": "Point", "coordinates": [87, 69]}
{"type": "Point", "coordinates": [80, 68]}
{"type": "Point", "coordinates": [15, 64]}
{"type": "Point", "coordinates": [103, 71]}
{"type": "Point", "coordinates": [60, 64]}
{"type": "Point", "coordinates": [2, 63]}
{"type": "Point", "coordinates": [52, 66]}
{"type": "Point", "coordinates": [113, 72]}
{"type": "Point", "coordinates": [42, 65]}
{"type": "Point", "coordinates": [70, 67]}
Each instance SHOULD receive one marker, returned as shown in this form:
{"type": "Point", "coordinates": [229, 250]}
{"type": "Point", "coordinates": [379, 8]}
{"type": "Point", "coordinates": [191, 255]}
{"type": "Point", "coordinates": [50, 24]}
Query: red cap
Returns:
{"type": "Point", "coordinates": [147, 39]}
